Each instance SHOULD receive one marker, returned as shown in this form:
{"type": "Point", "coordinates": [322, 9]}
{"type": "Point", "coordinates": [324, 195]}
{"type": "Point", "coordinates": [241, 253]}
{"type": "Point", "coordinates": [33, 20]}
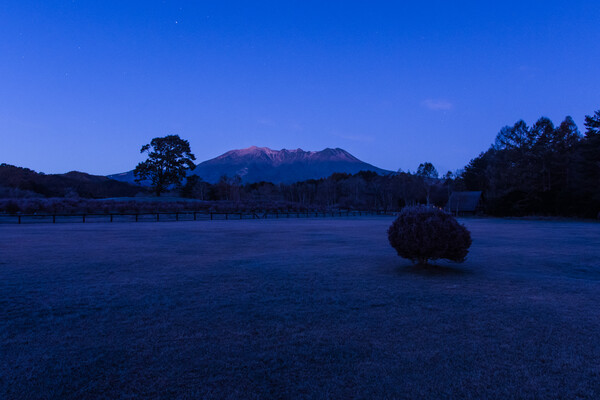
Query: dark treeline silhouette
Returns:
{"type": "Point", "coordinates": [543, 169]}
{"type": "Point", "coordinates": [365, 190]}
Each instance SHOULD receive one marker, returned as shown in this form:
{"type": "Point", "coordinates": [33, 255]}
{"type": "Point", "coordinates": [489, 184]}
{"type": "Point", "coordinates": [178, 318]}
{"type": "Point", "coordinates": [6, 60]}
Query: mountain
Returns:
{"type": "Point", "coordinates": [26, 182]}
{"type": "Point", "coordinates": [256, 164]}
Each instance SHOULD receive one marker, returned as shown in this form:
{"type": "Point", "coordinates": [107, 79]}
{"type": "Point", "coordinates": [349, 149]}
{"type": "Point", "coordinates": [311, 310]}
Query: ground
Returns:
{"type": "Point", "coordinates": [309, 308]}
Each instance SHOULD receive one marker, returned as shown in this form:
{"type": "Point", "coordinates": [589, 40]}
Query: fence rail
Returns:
{"type": "Point", "coordinates": [175, 216]}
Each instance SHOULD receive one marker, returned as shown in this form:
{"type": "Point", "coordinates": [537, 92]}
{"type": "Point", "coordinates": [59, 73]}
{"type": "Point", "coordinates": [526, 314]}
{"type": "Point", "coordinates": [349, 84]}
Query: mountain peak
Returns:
{"type": "Point", "coordinates": [253, 150]}
{"type": "Point", "coordinates": [256, 150]}
{"type": "Point", "coordinates": [255, 164]}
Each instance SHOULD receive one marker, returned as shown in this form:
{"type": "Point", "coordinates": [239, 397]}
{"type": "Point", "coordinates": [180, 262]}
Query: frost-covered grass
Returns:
{"type": "Point", "coordinates": [316, 308]}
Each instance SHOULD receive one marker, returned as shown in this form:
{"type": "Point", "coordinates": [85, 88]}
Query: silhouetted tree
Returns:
{"type": "Point", "coordinates": [589, 167]}
{"type": "Point", "coordinates": [427, 170]}
{"type": "Point", "coordinates": [592, 123]}
{"type": "Point", "coordinates": [169, 158]}
{"type": "Point", "coordinates": [475, 176]}
{"type": "Point", "coordinates": [517, 137]}
{"type": "Point", "coordinates": [195, 188]}
{"type": "Point", "coordinates": [563, 158]}
{"type": "Point", "coordinates": [429, 175]}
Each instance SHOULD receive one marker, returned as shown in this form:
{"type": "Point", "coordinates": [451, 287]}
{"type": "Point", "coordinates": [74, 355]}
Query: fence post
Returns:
{"type": "Point", "coordinates": [19, 219]}
{"type": "Point", "coordinates": [136, 217]}
{"type": "Point", "coordinates": [53, 218]}
{"type": "Point", "coordinates": [83, 218]}
{"type": "Point", "coordinates": [176, 216]}
{"type": "Point", "coordinates": [240, 215]}
{"type": "Point", "coordinates": [111, 217]}
{"type": "Point", "coordinates": [194, 215]}
{"type": "Point", "coordinates": [157, 217]}
{"type": "Point", "coordinates": [226, 216]}
{"type": "Point", "coordinates": [211, 216]}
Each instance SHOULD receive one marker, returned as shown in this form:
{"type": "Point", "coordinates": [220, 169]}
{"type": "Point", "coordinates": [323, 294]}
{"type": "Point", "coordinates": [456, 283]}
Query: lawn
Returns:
{"type": "Point", "coordinates": [309, 308]}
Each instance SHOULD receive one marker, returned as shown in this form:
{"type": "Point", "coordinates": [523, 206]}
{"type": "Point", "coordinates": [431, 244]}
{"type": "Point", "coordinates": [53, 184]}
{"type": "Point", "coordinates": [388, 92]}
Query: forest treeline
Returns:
{"type": "Point", "coordinates": [365, 190]}
{"type": "Point", "coordinates": [543, 169]}
{"type": "Point", "coordinates": [540, 169]}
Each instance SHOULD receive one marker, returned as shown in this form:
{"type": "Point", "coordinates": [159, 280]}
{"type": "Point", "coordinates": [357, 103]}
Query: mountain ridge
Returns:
{"type": "Point", "coordinates": [256, 164]}
{"type": "Point", "coordinates": [31, 184]}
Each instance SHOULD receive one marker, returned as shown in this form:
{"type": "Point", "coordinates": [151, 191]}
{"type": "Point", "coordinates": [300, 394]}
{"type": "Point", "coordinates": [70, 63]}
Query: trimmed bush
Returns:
{"type": "Point", "coordinates": [425, 233]}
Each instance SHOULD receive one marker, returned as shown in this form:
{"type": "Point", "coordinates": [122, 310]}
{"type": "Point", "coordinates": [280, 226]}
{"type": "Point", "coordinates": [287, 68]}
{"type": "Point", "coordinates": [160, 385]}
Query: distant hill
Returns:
{"type": "Point", "coordinates": [256, 164]}
{"type": "Point", "coordinates": [26, 181]}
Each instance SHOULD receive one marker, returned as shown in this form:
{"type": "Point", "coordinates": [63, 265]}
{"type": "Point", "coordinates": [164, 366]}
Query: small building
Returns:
{"type": "Point", "coordinates": [464, 203]}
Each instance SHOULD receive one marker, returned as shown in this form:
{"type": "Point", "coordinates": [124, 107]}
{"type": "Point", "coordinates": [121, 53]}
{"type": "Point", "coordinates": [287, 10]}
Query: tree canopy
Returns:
{"type": "Point", "coordinates": [168, 160]}
{"type": "Point", "coordinates": [542, 169]}
{"type": "Point", "coordinates": [427, 170]}
{"type": "Point", "coordinates": [592, 123]}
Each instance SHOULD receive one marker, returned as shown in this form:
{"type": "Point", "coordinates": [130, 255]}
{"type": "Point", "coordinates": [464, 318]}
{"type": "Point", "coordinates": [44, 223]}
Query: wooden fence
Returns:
{"type": "Point", "coordinates": [176, 216]}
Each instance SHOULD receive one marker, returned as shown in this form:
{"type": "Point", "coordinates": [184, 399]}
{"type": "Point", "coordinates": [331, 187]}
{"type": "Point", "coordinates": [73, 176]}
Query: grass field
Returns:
{"type": "Point", "coordinates": [315, 308]}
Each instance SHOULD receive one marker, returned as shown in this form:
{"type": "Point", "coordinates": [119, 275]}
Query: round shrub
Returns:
{"type": "Point", "coordinates": [426, 233]}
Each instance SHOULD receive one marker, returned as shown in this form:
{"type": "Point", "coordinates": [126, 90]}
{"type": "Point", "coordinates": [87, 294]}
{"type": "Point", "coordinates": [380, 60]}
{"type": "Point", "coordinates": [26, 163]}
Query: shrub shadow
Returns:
{"type": "Point", "coordinates": [433, 270]}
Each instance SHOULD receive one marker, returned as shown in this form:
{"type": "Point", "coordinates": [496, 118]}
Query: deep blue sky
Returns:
{"type": "Point", "coordinates": [84, 84]}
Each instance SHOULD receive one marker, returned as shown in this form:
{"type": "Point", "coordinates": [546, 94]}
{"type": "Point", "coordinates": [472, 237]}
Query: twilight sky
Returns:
{"type": "Point", "coordinates": [84, 84]}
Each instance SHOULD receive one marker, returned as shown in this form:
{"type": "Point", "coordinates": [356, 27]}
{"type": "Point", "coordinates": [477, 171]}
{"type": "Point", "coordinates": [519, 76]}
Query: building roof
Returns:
{"type": "Point", "coordinates": [463, 201]}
